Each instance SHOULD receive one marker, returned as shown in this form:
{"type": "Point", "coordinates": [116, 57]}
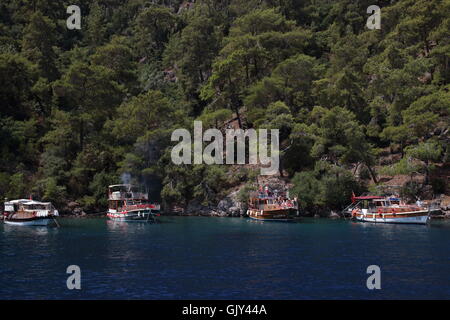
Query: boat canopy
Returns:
{"type": "Point", "coordinates": [17, 201]}
{"type": "Point", "coordinates": [369, 198]}
{"type": "Point", "coordinates": [26, 203]}
{"type": "Point", "coordinates": [32, 202]}
{"type": "Point", "coordinates": [120, 186]}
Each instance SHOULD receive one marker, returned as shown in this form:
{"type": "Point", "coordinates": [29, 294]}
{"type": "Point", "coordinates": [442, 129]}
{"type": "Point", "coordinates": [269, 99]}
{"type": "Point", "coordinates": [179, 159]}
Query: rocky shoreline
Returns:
{"type": "Point", "coordinates": [231, 206]}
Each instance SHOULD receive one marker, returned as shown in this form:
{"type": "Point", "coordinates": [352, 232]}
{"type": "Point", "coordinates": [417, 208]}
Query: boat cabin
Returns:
{"type": "Point", "coordinates": [376, 204]}
{"type": "Point", "coordinates": [124, 192]}
{"type": "Point", "coordinates": [27, 205]}
{"type": "Point", "coordinates": [126, 196]}
{"type": "Point", "coordinates": [28, 209]}
{"type": "Point", "coordinates": [269, 203]}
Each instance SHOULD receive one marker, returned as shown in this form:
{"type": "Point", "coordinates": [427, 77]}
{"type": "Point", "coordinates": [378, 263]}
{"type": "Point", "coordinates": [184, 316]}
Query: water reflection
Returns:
{"type": "Point", "coordinates": [123, 226]}
{"type": "Point", "coordinates": [254, 221]}
{"type": "Point", "coordinates": [28, 231]}
{"type": "Point", "coordinates": [390, 231]}
{"type": "Point", "coordinates": [440, 223]}
{"type": "Point", "coordinates": [211, 258]}
{"type": "Point", "coordinates": [128, 244]}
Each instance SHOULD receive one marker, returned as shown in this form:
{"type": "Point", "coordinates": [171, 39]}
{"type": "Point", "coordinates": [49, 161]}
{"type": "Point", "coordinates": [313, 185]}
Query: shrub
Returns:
{"type": "Point", "coordinates": [410, 190]}
{"type": "Point", "coordinates": [244, 193]}
{"type": "Point", "coordinates": [439, 185]}
{"type": "Point", "coordinates": [54, 193]}
{"type": "Point", "coordinates": [327, 187]}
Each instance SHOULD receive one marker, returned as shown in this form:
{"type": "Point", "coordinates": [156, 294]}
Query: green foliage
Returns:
{"type": "Point", "coordinates": [118, 57]}
{"type": "Point", "coordinates": [17, 186]}
{"type": "Point", "coordinates": [38, 44]}
{"type": "Point", "coordinates": [324, 187]}
{"type": "Point", "coordinates": [340, 139]}
{"type": "Point", "coordinates": [215, 119]}
{"type": "Point", "coordinates": [410, 190]}
{"type": "Point", "coordinates": [404, 166]}
{"type": "Point", "coordinates": [81, 107]}
{"type": "Point", "coordinates": [96, 31]}
{"type": "Point", "coordinates": [429, 113]}
{"type": "Point", "coordinates": [97, 187]}
{"type": "Point", "coordinates": [257, 42]}
{"type": "Point", "coordinates": [16, 80]}
{"type": "Point", "coordinates": [148, 111]}
{"type": "Point", "coordinates": [244, 193]}
{"type": "Point", "coordinates": [306, 189]}
{"type": "Point", "coordinates": [193, 49]}
{"type": "Point", "coordinates": [290, 82]}
{"type": "Point", "coordinates": [153, 28]}
{"type": "Point", "coordinates": [54, 192]}
{"type": "Point", "coordinates": [439, 186]}
{"type": "Point", "coordinates": [425, 151]}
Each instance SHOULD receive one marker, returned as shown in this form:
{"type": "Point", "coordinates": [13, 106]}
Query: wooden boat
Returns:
{"type": "Point", "coordinates": [23, 212]}
{"type": "Point", "coordinates": [388, 210]}
{"type": "Point", "coordinates": [268, 206]}
{"type": "Point", "coordinates": [127, 204]}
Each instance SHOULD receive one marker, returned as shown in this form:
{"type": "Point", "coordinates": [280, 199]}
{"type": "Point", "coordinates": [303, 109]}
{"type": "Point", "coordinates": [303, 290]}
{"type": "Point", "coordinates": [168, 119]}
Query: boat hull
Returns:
{"type": "Point", "coordinates": [30, 222]}
{"type": "Point", "coordinates": [146, 215]}
{"type": "Point", "coordinates": [286, 215]}
{"type": "Point", "coordinates": [420, 217]}
{"type": "Point", "coordinates": [273, 220]}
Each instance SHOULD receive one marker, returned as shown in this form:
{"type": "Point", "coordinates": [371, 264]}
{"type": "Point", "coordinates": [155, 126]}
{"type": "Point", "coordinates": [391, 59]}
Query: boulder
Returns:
{"type": "Point", "coordinates": [77, 211]}
{"type": "Point", "coordinates": [235, 211]}
{"type": "Point", "coordinates": [72, 205]}
{"type": "Point", "coordinates": [230, 206]}
{"type": "Point", "coordinates": [427, 192]}
{"type": "Point", "coordinates": [225, 204]}
{"type": "Point", "coordinates": [196, 208]}
{"type": "Point", "coordinates": [334, 215]}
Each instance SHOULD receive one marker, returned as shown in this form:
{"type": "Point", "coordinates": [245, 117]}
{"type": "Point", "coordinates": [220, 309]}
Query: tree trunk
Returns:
{"type": "Point", "coordinates": [236, 109]}
{"type": "Point", "coordinates": [280, 169]}
{"type": "Point", "coordinates": [81, 135]}
{"type": "Point", "coordinates": [372, 173]}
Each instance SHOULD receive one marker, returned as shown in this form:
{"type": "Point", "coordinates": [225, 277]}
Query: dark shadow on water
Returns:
{"type": "Point", "coordinates": [441, 223]}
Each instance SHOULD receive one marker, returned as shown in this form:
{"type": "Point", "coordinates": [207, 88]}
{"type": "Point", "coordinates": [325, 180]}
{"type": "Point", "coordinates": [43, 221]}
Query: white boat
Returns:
{"type": "Point", "coordinates": [125, 203]}
{"type": "Point", "coordinates": [388, 210]}
{"type": "Point", "coordinates": [23, 212]}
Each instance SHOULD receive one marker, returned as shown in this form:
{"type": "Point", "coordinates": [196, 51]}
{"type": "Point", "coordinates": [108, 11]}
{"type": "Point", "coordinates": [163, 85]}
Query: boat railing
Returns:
{"type": "Point", "coordinates": [350, 207]}
{"type": "Point", "coordinates": [121, 195]}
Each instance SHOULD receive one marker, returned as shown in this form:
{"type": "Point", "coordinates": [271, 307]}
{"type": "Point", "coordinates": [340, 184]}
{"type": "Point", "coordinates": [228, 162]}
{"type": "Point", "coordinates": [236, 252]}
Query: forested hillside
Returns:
{"type": "Point", "coordinates": [81, 109]}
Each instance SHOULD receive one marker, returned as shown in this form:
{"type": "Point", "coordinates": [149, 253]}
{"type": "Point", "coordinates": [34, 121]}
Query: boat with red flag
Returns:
{"type": "Point", "coordinates": [381, 209]}
{"type": "Point", "coordinates": [127, 203]}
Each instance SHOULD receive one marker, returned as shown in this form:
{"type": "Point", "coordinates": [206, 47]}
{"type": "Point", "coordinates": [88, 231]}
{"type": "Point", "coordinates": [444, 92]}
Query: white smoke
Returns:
{"type": "Point", "coordinates": [125, 177]}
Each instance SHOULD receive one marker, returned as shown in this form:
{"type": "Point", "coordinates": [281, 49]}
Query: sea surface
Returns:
{"type": "Point", "coordinates": [225, 258]}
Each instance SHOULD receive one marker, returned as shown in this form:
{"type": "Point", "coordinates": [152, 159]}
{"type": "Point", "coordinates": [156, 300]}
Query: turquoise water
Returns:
{"type": "Point", "coordinates": [225, 258]}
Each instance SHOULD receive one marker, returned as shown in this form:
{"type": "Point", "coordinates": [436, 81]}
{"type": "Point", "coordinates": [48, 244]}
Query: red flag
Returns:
{"type": "Point", "coordinates": [353, 197]}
